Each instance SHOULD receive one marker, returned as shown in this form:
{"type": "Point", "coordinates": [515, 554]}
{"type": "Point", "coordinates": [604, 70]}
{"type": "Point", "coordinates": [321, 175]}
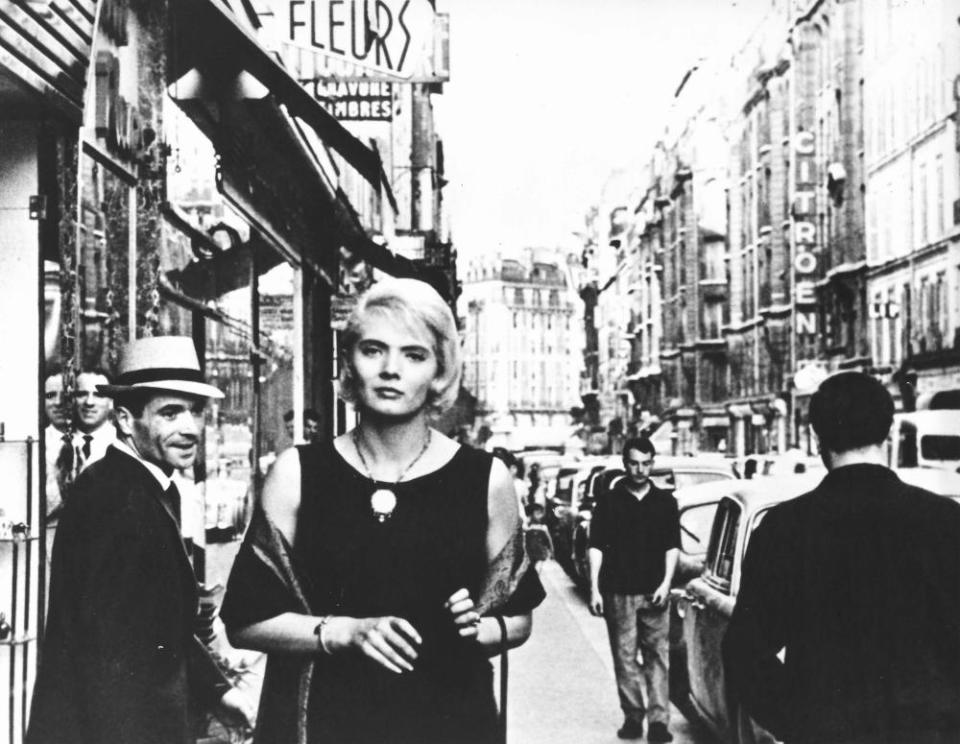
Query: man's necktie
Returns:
{"type": "Point", "coordinates": [172, 497]}
{"type": "Point", "coordinates": [65, 458]}
{"type": "Point", "coordinates": [85, 450]}
{"type": "Point", "coordinates": [66, 464]}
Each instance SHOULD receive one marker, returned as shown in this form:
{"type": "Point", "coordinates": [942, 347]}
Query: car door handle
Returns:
{"type": "Point", "coordinates": [685, 596]}
{"type": "Point", "coordinates": [695, 601]}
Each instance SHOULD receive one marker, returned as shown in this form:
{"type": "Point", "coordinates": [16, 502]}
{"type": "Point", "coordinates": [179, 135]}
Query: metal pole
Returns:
{"type": "Point", "coordinates": [255, 366]}
{"type": "Point", "coordinates": [26, 603]}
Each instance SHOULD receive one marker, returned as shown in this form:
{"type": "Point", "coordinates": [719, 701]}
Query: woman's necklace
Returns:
{"type": "Point", "coordinates": [384, 500]}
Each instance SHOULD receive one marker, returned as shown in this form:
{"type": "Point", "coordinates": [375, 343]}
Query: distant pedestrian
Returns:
{"type": "Point", "coordinates": [375, 571]}
{"type": "Point", "coordinates": [634, 547]}
{"type": "Point", "coordinates": [311, 425]}
{"type": "Point", "coordinates": [847, 624]}
{"type": "Point", "coordinates": [537, 538]}
{"type": "Point", "coordinates": [533, 490]}
{"type": "Point", "coordinates": [120, 661]}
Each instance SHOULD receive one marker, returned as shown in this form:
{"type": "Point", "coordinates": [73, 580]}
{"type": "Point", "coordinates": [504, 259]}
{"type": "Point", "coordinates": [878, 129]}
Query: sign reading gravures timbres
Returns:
{"type": "Point", "coordinates": [354, 100]}
{"type": "Point", "coordinates": [381, 39]}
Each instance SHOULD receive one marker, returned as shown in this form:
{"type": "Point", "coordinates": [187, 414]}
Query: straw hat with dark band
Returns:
{"type": "Point", "coordinates": [163, 364]}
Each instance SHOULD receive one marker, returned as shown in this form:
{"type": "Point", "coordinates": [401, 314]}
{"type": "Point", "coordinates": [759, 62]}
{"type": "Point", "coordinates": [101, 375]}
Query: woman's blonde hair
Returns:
{"type": "Point", "coordinates": [410, 303]}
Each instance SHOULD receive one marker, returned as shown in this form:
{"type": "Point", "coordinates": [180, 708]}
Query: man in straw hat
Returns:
{"type": "Point", "coordinates": [120, 660]}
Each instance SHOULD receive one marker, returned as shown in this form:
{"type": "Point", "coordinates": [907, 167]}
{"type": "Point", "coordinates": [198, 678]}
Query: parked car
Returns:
{"type": "Point", "coordinates": [774, 463]}
{"type": "Point", "coordinates": [674, 472]}
{"type": "Point", "coordinates": [563, 505]}
{"type": "Point", "coordinates": [542, 457]}
{"type": "Point", "coordinates": [707, 602]}
{"type": "Point", "coordinates": [929, 438]}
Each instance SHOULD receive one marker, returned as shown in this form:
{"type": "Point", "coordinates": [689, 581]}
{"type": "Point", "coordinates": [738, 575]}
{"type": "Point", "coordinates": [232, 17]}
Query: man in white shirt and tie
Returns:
{"type": "Point", "coordinates": [94, 420]}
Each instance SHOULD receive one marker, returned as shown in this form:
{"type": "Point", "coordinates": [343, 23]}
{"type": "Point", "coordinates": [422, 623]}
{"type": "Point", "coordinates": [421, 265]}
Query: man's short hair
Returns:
{"type": "Point", "coordinates": [641, 444]}
{"type": "Point", "coordinates": [134, 400]}
{"type": "Point", "coordinates": [851, 410]}
{"type": "Point", "coordinates": [100, 371]}
{"type": "Point", "coordinates": [288, 416]}
{"type": "Point", "coordinates": [309, 413]}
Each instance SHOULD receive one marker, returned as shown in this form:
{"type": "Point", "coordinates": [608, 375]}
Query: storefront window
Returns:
{"type": "Point", "coordinates": [104, 246]}
{"type": "Point", "coordinates": [278, 429]}
{"type": "Point", "coordinates": [229, 483]}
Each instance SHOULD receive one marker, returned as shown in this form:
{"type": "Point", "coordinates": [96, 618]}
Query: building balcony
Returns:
{"type": "Point", "coordinates": [714, 289]}
{"type": "Point", "coordinates": [711, 343]}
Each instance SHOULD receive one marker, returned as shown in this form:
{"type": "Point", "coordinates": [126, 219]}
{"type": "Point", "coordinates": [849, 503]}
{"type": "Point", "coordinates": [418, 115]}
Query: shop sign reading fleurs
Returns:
{"type": "Point", "coordinates": [391, 40]}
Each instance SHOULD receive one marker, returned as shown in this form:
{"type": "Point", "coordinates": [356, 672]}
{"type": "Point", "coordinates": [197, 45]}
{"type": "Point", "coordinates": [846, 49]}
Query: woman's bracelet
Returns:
{"type": "Point", "coordinates": [318, 632]}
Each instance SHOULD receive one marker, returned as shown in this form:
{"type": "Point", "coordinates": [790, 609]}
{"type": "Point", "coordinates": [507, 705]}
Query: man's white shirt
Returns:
{"type": "Point", "coordinates": [101, 438]}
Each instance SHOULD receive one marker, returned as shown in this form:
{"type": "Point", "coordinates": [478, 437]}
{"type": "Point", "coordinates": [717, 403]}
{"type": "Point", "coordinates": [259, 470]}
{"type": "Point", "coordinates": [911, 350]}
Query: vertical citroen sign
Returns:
{"type": "Point", "coordinates": [805, 234]}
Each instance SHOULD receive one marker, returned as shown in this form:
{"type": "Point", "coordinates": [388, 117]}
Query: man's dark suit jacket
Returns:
{"type": "Point", "coordinates": [120, 662]}
{"type": "Point", "coordinates": [860, 581]}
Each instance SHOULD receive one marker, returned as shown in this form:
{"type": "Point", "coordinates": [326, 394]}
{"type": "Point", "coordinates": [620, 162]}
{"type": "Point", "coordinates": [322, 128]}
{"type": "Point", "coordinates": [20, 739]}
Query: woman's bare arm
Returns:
{"type": "Point", "coordinates": [388, 641]}
{"type": "Point", "coordinates": [502, 525]}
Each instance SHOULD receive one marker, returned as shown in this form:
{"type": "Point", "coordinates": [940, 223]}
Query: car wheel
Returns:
{"type": "Point", "coordinates": [750, 732]}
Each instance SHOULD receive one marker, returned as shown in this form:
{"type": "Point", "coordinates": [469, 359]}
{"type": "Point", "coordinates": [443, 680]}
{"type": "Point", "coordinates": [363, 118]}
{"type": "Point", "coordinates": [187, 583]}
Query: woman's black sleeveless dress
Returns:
{"type": "Point", "coordinates": [407, 566]}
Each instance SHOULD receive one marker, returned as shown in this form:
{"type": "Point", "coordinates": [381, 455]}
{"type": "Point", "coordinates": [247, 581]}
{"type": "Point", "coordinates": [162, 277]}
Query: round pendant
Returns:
{"type": "Point", "coordinates": [383, 501]}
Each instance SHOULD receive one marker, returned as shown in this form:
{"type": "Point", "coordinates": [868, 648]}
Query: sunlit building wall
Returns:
{"type": "Point", "coordinates": [522, 341]}
{"type": "Point", "coordinates": [911, 63]}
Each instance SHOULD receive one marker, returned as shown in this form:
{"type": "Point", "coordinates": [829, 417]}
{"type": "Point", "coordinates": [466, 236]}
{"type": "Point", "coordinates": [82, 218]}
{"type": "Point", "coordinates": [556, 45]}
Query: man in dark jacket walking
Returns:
{"type": "Point", "coordinates": [634, 546]}
{"type": "Point", "coordinates": [856, 587]}
{"type": "Point", "coordinates": [120, 662]}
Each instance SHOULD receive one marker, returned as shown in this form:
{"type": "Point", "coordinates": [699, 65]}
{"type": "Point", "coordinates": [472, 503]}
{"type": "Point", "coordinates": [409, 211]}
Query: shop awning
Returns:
{"type": "Point", "coordinates": [272, 139]}
{"type": "Point", "coordinates": [208, 38]}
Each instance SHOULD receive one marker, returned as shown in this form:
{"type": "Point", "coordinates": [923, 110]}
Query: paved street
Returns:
{"type": "Point", "coordinates": [562, 689]}
{"type": "Point", "coordinates": [561, 682]}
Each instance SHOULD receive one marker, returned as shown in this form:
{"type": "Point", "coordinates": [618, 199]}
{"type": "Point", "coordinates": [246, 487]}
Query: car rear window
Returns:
{"type": "Point", "coordinates": [940, 447]}
{"type": "Point", "coordinates": [723, 544]}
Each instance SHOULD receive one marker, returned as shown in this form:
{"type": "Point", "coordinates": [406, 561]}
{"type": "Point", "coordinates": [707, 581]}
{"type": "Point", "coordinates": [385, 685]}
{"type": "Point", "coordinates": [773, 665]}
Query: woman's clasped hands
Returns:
{"type": "Point", "coordinates": [392, 642]}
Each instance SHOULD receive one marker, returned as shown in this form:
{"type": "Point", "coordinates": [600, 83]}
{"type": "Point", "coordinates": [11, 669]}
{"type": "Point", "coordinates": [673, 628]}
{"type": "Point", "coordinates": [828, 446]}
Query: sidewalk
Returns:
{"type": "Point", "coordinates": [562, 687]}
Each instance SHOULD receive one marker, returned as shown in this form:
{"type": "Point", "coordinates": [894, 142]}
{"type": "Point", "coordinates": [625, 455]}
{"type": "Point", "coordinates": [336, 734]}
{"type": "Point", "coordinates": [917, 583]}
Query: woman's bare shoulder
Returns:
{"type": "Point", "coordinates": [281, 490]}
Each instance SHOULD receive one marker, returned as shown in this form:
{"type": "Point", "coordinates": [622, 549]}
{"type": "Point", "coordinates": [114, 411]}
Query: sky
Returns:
{"type": "Point", "coordinates": [548, 99]}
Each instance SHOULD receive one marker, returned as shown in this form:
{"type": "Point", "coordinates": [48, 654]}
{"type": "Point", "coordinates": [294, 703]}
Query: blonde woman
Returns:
{"type": "Point", "coordinates": [376, 568]}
